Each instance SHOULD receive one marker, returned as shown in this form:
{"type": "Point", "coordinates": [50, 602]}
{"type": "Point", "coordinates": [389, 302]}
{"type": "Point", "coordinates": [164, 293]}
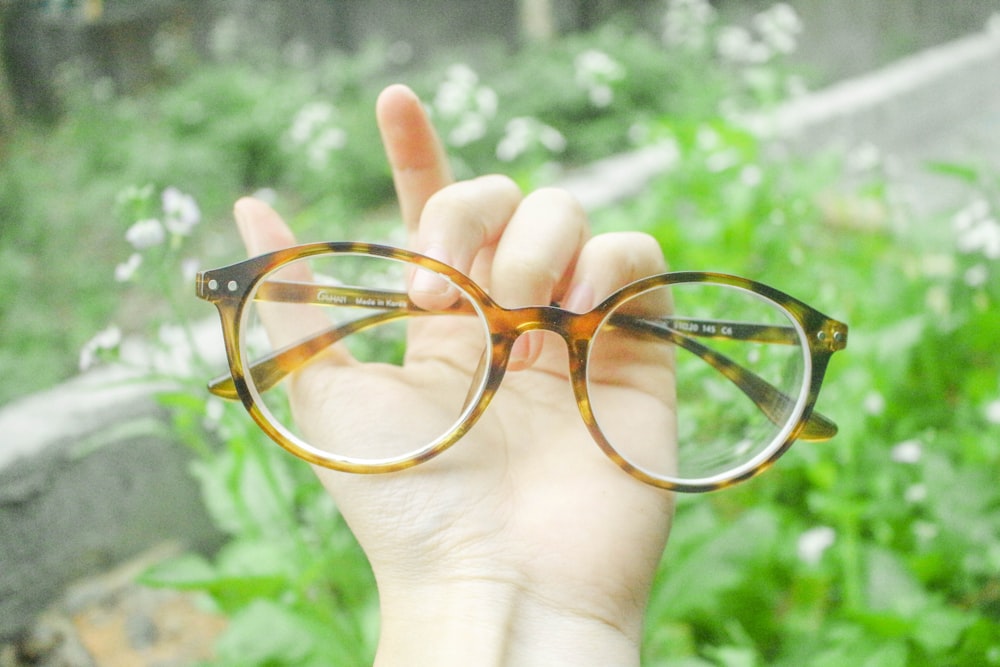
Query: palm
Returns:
{"type": "Point", "coordinates": [526, 489]}
{"type": "Point", "coordinates": [526, 497]}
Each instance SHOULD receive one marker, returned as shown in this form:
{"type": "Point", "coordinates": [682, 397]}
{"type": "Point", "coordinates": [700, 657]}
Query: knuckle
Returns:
{"type": "Point", "coordinates": [451, 210]}
{"type": "Point", "coordinates": [529, 268]}
{"type": "Point", "coordinates": [556, 215]}
{"type": "Point", "coordinates": [635, 254]}
{"type": "Point", "coordinates": [501, 184]}
{"type": "Point", "coordinates": [470, 207]}
{"type": "Point", "coordinates": [557, 198]}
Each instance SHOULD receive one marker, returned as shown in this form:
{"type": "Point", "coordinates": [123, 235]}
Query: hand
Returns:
{"type": "Point", "coordinates": [522, 544]}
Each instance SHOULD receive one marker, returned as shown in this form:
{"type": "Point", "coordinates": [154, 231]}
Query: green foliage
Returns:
{"type": "Point", "coordinates": [292, 581]}
{"type": "Point", "coordinates": [881, 547]}
{"type": "Point", "coordinates": [905, 498]}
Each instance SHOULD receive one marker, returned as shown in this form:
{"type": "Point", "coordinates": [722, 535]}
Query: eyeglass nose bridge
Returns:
{"type": "Point", "coordinates": [576, 329]}
{"type": "Point", "coordinates": [572, 327]}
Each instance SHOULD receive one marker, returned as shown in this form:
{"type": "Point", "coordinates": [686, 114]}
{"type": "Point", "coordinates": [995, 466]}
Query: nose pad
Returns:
{"type": "Point", "coordinates": [525, 350]}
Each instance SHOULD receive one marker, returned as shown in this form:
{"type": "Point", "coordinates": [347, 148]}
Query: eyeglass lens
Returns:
{"type": "Point", "coordinates": [711, 350]}
{"type": "Point", "coordinates": [358, 305]}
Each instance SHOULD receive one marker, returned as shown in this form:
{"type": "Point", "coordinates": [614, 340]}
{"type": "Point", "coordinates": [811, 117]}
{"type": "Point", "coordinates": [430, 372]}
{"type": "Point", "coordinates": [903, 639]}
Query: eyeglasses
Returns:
{"type": "Point", "coordinates": [688, 381]}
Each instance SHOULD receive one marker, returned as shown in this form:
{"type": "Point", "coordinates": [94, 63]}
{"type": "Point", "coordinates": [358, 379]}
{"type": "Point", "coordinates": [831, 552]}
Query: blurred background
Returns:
{"type": "Point", "coordinates": [100, 95]}
{"type": "Point", "coordinates": [845, 151]}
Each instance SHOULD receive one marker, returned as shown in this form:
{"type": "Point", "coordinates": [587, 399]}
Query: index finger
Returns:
{"type": "Point", "coordinates": [418, 161]}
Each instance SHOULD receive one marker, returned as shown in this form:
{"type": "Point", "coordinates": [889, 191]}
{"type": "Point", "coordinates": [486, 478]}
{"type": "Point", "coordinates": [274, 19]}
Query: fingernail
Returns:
{"type": "Point", "coordinates": [580, 299]}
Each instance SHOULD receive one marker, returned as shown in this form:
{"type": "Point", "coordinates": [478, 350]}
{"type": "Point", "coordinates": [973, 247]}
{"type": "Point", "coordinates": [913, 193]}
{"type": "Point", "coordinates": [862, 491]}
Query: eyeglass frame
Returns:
{"type": "Point", "coordinates": [229, 287]}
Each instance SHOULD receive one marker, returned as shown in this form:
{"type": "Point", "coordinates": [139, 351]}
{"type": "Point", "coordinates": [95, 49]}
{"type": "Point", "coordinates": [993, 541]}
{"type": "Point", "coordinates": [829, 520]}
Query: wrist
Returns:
{"type": "Point", "coordinates": [492, 623]}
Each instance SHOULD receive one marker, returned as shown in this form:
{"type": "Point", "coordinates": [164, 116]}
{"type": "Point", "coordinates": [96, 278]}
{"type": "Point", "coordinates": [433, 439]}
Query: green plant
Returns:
{"type": "Point", "coordinates": [881, 547]}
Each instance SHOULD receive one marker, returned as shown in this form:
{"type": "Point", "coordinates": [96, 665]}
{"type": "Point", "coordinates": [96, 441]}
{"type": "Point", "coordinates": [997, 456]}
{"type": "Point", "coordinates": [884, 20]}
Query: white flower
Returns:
{"type": "Point", "coordinates": [551, 138]}
{"type": "Point", "coordinates": [722, 160]}
{"type": "Point", "coordinates": [984, 237]}
{"type": "Point", "coordinates": [977, 230]}
{"type": "Point", "coordinates": [707, 138]}
{"type": "Point", "coordinates": [486, 101]}
{"type": "Point", "coordinates": [457, 92]}
{"type": "Point", "coordinates": [601, 96]}
{"type": "Point", "coordinates": [181, 212]}
{"type": "Point", "coordinates": [908, 452]}
{"type": "Point", "coordinates": [595, 71]}
{"type": "Point", "coordinates": [686, 23]}
{"type": "Point", "coordinates": [993, 412]}
{"type": "Point", "coordinates": [462, 74]}
{"type": "Point", "coordinates": [471, 127]}
{"type": "Point", "coordinates": [450, 99]}
{"type": "Point", "coordinates": [874, 403]}
{"type": "Point", "coordinates": [214, 411]}
{"type": "Point", "coordinates": [515, 142]}
{"type": "Point", "coordinates": [127, 269]}
{"type": "Point", "coordinates": [976, 276]}
{"type": "Point", "coordinates": [779, 27]}
{"type": "Point", "coordinates": [638, 133]}
{"type": "Point", "coordinates": [814, 542]}
{"type": "Point", "coordinates": [864, 157]}
{"type": "Point", "coordinates": [925, 531]}
{"type": "Point", "coordinates": [737, 45]}
{"type": "Point", "coordinates": [309, 118]}
{"type": "Point", "coordinates": [145, 234]}
{"type": "Point", "coordinates": [325, 142]}
{"type": "Point", "coordinates": [105, 340]}
{"type": "Point", "coordinates": [522, 134]}
{"type": "Point", "coordinates": [595, 65]}
{"type": "Point", "coordinates": [315, 130]}
{"type": "Point", "coordinates": [189, 269]}
{"type": "Point", "coordinates": [915, 494]}
{"type": "Point", "coordinates": [937, 300]}
{"type": "Point", "coordinates": [937, 265]}
{"type": "Point", "coordinates": [751, 176]}
{"type": "Point", "coordinates": [174, 355]}
{"type": "Point", "coordinates": [470, 106]}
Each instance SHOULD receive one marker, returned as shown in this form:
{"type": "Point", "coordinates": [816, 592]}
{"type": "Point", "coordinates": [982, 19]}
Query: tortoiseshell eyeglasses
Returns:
{"type": "Point", "coordinates": [688, 381]}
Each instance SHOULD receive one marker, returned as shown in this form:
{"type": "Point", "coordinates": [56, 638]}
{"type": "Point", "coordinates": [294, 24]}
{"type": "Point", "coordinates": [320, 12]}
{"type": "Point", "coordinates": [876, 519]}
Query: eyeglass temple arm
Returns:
{"type": "Point", "coordinates": [774, 403]}
{"type": "Point", "coordinates": [272, 368]}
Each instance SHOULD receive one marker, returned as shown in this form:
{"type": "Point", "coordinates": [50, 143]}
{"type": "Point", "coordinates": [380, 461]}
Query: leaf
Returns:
{"type": "Point", "coordinates": [218, 495]}
{"type": "Point", "coordinates": [265, 633]}
{"type": "Point", "coordinates": [257, 557]}
{"type": "Point", "coordinates": [188, 571]}
{"type": "Point", "coordinates": [850, 645]}
{"type": "Point", "coordinates": [266, 489]}
{"type": "Point", "coordinates": [244, 571]}
{"type": "Point", "coordinates": [962, 172]}
{"type": "Point", "coordinates": [891, 586]}
{"type": "Point", "coordinates": [721, 563]}
{"type": "Point", "coordinates": [939, 629]}
{"type": "Point", "coordinates": [733, 656]}
{"type": "Point", "coordinates": [269, 634]}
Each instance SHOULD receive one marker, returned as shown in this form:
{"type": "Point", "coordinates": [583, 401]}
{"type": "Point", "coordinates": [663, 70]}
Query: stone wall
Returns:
{"type": "Point", "coordinates": [89, 477]}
